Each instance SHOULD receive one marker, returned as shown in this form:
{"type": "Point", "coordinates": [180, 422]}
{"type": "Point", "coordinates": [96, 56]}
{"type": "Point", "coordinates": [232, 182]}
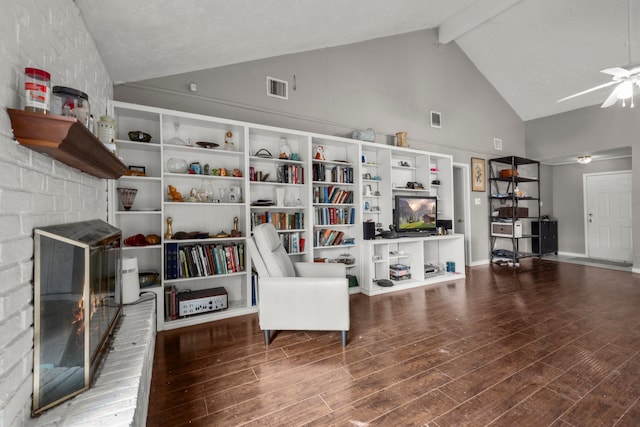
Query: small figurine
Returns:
{"type": "Point", "coordinates": [196, 168]}
{"type": "Point", "coordinates": [169, 233]}
{"type": "Point", "coordinates": [320, 153]}
{"type": "Point", "coordinates": [235, 232]}
{"type": "Point", "coordinates": [285, 151]}
{"type": "Point", "coordinates": [174, 195]}
{"type": "Point", "coordinates": [228, 141]}
{"type": "Point", "coordinates": [237, 173]}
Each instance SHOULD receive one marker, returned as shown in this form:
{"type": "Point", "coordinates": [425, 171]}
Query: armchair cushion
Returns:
{"type": "Point", "coordinates": [320, 269]}
{"type": "Point", "coordinates": [275, 257]}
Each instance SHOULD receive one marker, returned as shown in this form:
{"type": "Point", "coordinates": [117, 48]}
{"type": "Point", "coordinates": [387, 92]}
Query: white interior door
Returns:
{"type": "Point", "coordinates": [461, 213]}
{"type": "Point", "coordinates": [608, 215]}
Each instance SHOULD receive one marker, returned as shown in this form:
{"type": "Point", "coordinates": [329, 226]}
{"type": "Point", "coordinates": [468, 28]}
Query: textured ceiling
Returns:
{"type": "Point", "coordinates": [533, 51]}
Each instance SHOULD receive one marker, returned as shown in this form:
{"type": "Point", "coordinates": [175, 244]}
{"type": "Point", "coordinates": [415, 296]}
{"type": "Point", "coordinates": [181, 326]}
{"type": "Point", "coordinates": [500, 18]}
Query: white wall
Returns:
{"type": "Point", "coordinates": [35, 190]}
{"type": "Point", "coordinates": [568, 199]}
{"type": "Point", "coordinates": [389, 84]}
{"type": "Point", "coordinates": [583, 131]}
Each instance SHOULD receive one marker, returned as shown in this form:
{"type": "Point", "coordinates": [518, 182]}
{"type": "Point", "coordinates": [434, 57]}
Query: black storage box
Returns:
{"type": "Point", "coordinates": [508, 212]}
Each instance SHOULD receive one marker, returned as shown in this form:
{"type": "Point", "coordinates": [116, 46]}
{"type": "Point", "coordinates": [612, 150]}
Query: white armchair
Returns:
{"type": "Point", "coordinates": [307, 296]}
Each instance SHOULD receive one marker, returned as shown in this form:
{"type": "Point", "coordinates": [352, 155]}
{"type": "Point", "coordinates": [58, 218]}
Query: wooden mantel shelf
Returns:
{"type": "Point", "coordinates": [67, 140]}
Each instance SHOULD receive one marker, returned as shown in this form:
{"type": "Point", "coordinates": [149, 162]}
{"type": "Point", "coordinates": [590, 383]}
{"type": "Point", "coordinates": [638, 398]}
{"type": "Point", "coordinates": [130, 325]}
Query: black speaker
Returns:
{"type": "Point", "coordinates": [446, 223]}
{"type": "Point", "coordinates": [369, 230]}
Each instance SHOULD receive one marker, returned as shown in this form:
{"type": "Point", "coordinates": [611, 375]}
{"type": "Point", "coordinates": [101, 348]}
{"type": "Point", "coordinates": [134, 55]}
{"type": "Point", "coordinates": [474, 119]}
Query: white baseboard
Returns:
{"type": "Point", "coordinates": [571, 254]}
{"type": "Point", "coordinates": [477, 263]}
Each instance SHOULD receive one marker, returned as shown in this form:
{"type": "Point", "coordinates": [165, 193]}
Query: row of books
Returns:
{"type": "Point", "coordinates": [334, 216]}
{"type": "Point", "coordinates": [328, 237]}
{"type": "Point", "coordinates": [291, 174]}
{"type": "Point", "coordinates": [331, 194]}
{"type": "Point", "coordinates": [321, 172]}
{"type": "Point", "coordinates": [203, 260]}
{"type": "Point", "coordinates": [280, 220]}
{"type": "Point", "coordinates": [293, 243]}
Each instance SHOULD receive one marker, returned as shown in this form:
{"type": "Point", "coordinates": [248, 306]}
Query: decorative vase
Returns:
{"type": "Point", "coordinates": [127, 196]}
{"type": "Point", "coordinates": [279, 196]}
{"type": "Point", "coordinates": [176, 165]}
{"type": "Point", "coordinates": [401, 139]}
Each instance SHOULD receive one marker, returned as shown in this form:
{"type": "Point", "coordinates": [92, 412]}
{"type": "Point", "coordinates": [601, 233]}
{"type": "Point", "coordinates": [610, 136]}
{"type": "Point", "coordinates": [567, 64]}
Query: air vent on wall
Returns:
{"type": "Point", "coordinates": [277, 88]}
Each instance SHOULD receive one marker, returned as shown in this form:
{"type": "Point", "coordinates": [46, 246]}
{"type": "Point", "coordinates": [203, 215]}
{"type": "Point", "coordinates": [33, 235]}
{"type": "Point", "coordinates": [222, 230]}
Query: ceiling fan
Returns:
{"type": "Point", "coordinates": [624, 78]}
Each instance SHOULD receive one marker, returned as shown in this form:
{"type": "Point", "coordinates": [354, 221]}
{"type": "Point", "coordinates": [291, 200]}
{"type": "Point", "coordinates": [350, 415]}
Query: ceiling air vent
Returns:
{"type": "Point", "coordinates": [277, 88]}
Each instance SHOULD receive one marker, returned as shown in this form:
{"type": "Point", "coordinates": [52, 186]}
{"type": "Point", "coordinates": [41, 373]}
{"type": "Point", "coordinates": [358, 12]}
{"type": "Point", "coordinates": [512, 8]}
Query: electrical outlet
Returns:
{"type": "Point", "coordinates": [478, 201]}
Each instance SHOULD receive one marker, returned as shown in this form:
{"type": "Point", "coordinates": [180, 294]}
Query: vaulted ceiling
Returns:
{"type": "Point", "coordinates": [532, 51]}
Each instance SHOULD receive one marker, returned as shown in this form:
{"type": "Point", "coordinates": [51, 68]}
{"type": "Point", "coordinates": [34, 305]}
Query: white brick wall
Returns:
{"type": "Point", "coordinates": [35, 190]}
{"type": "Point", "coordinates": [120, 395]}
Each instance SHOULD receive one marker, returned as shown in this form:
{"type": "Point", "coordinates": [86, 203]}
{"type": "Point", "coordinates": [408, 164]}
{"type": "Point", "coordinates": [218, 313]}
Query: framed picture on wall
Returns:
{"type": "Point", "coordinates": [478, 174]}
{"type": "Point", "coordinates": [138, 170]}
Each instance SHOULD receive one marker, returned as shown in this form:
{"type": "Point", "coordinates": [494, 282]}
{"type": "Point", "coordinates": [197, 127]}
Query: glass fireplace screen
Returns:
{"type": "Point", "coordinates": [77, 301]}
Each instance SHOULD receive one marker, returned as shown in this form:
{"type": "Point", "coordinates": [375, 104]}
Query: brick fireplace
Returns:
{"type": "Point", "coordinates": [120, 394]}
{"type": "Point", "coordinates": [77, 303]}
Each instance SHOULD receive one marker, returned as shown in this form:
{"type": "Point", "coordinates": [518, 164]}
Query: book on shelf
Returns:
{"type": "Point", "coordinates": [254, 290]}
{"type": "Point", "coordinates": [229, 257]}
{"type": "Point", "coordinates": [241, 256]}
{"type": "Point", "coordinates": [173, 305]}
{"type": "Point", "coordinates": [171, 261]}
{"type": "Point", "coordinates": [216, 258]}
{"type": "Point", "coordinates": [167, 302]}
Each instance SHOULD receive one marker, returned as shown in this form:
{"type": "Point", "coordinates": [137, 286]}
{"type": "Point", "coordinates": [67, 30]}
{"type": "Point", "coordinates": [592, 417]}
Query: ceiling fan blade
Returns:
{"type": "Point", "coordinates": [617, 72]}
{"type": "Point", "coordinates": [588, 90]}
{"type": "Point", "coordinates": [611, 99]}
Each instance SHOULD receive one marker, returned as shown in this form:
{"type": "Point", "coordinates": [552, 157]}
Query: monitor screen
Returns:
{"type": "Point", "coordinates": [415, 213]}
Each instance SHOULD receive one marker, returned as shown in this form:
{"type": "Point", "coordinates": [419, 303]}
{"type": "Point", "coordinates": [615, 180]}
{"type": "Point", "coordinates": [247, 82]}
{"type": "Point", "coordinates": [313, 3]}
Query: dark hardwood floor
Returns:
{"type": "Point", "coordinates": [546, 344]}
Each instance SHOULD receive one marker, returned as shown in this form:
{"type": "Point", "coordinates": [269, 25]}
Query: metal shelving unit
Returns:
{"type": "Point", "coordinates": [514, 203]}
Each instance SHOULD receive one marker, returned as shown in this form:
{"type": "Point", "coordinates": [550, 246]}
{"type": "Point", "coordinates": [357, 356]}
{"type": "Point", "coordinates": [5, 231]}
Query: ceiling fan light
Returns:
{"type": "Point", "coordinates": [584, 160]}
{"type": "Point", "coordinates": [624, 90]}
